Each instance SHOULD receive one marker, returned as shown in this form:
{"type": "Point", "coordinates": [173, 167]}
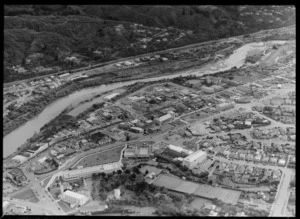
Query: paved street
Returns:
{"type": "Point", "coordinates": [279, 205]}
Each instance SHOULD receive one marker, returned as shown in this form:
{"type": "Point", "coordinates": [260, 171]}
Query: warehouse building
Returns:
{"type": "Point", "coordinates": [74, 199]}
{"type": "Point", "coordinates": [208, 90]}
{"type": "Point", "coordinates": [88, 171]}
{"type": "Point", "coordinates": [179, 149]}
{"type": "Point", "coordinates": [193, 159]}
{"type": "Point", "coordinates": [225, 106]}
{"type": "Point", "coordinates": [163, 119]}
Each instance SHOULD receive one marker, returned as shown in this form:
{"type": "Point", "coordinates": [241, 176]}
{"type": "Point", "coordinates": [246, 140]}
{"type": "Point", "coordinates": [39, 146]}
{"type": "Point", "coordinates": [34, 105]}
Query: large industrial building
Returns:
{"type": "Point", "coordinates": [193, 159]}
{"type": "Point", "coordinates": [179, 149]}
{"type": "Point", "coordinates": [163, 119]}
{"type": "Point", "coordinates": [87, 172]}
{"type": "Point", "coordinates": [73, 198]}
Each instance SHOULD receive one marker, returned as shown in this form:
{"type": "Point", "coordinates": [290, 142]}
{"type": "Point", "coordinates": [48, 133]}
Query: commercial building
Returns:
{"type": "Point", "coordinates": [117, 194]}
{"type": "Point", "coordinates": [5, 205]}
{"type": "Point", "coordinates": [93, 208]}
{"type": "Point", "coordinates": [130, 152]}
{"type": "Point", "coordinates": [163, 119]}
{"type": "Point", "coordinates": [193, 159]}
{"type": "Point", "coordinates": [42, 160]}
{"type": "Point", "coordinates": [111, 96]}
{"type": "Point", "coordinates": [179, 149]}
{"type": "Point", "coordinates": [20, 159]}
{"type": "Point", "coordinates": [281, 162]}
{"type": "Point", "coordinates": [87, 172]}
{"type": "Point", "coordinates": [225, 106]}
{"type": "Point", "coordinates": [136, 129]}
{"type": "Point", "coordinates": [208, 90]}
{"type": "Point", "coordinates": [73, 198]}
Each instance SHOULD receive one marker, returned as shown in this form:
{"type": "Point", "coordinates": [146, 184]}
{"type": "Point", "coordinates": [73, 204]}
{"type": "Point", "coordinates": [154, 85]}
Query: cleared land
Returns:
{"type": "Point", "coordinates": [205, 191]}
{"type": "Point", "coordinates": [65, 207]}
{"type": "Point", "coordinates": [27, 195]}
{"type": "Point", "coordinates": [110, 156]}
{"type": "Point", "coordinates": [150, 169]}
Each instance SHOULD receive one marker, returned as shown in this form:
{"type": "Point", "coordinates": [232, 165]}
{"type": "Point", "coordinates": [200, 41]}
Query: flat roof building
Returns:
{"type": "Point", "coordinates": [88, 171]}
{"type": "Point", "coordinates": [193, 159]}
{"type": "Point", "coordinates": [111, 96]}
{"type": "Point", "coordinates": [73, 198]}
{"type": "Point", "coordinates": [164, 118]}
{"type": "Point", "coordinates": [93, 208]}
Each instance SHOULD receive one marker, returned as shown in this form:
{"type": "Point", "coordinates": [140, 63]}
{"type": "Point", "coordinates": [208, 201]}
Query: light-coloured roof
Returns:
{"type": "Point", "coordinates": [90, 170]}
{"type": "Point", "coordinates": [111, 96]}
{"type": "Point", "coordinates": [42, 160]}
{"type": "Point", "coordinates": [95, 207]}
{"type": "Point", "coordinates": [195, 156]}
{"type": "Point", "coordinates": [5, 204]}
{"type": "Point", "coordinates": [175, 148]}
{"type": "Point", "coordinates": [74, 194]}
{"type": "Point", "coordinates": [20, 158]}
{"type": "Point", "coordinates": [165, 117]}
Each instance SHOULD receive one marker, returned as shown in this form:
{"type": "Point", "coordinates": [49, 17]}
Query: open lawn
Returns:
{"type": "Point", "coordinates": [150, 169]}
{"type": "Point", "coordinates": [55, 192]}
{"type": "Point", "coordinates": [96, 159]}
{"type": "Point", "coordinates": [26, 195]}
{"type": "Point", "coordinates": [45, 182]}
{"type": "Point", "coordinates": [65, 207]}
{"type": "Point", "coordinates": [168, 182]}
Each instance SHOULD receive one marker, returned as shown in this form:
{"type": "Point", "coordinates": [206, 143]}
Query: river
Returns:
{"type": "Point", "coordinates": [19, 136]}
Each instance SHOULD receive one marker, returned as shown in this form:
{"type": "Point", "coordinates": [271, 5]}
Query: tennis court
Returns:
{"type": "Point", "coordinates": [201, 190]}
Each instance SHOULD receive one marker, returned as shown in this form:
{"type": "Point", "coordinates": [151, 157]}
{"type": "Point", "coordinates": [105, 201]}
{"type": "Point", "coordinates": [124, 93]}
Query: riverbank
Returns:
{"type": "Point", "coordinates": [25, 131]}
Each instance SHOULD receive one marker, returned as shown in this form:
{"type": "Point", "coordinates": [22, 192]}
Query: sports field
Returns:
{"type": "Point", "coordinates": [96, 159]}
{"type": "Point", "coordinates": [201, 190]}
{"type": "Point", "coordinates": [168, 182]}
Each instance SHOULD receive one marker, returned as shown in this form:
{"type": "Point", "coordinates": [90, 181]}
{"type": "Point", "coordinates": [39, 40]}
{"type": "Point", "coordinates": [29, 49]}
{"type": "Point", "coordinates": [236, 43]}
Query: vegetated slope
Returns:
{"type": "Point", "coordinates": [41, 36]}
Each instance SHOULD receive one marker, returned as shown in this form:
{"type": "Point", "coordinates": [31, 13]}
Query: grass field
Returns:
{"type": "Point", "coordinates": [27, 195]}
{"type": "Point", "coordinates": [100, 158]}
{"type": "Point", "coordinates": [150, 169]}
{"type": "Point", "coordinates": [167, 181]}
{"type": "Point", "coordinates": [45, 182]}
{"type": "Point", "coordinates": [55, 192]}
{"type": "Point", "coordinates": [65, 207]}
{"type": "Point", "coordinates": [205, 191]}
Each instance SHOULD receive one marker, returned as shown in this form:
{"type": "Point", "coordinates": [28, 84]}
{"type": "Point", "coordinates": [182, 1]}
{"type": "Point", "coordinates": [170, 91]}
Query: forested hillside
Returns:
{"type": "Point", "coordinates": [39, 39]}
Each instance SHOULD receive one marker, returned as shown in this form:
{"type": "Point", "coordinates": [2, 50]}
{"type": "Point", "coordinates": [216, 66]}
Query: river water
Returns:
{"type": "Point", "coordinates": [19, 136]}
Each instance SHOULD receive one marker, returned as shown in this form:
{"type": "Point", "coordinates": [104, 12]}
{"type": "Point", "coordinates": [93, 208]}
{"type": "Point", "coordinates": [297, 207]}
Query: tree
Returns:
{"type": "Point", "coordinates": [293, 183]}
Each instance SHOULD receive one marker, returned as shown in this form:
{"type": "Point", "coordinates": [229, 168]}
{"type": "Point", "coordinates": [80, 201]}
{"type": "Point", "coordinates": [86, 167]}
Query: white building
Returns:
{"type": "Point", "coordinates": [179, 149]}
{"type": "Point", "coordinates": [225, 106]}
{"type": "Point", "coordinates": [281, 162]}
{"type": "Point", "coordinates": [73, 198]}
{"type": "Point", "coordinates": [111, 96]}
{"type": "Point", "coordinates": [5, 204]}
{"type": "Point", "coordinates": [163, 119]}
{"type": "Point", "coordinates": [88, 171]}
{"type": "Point", "coordinates": [117, 193]}
{"type": "Point", "coordinates": [64, 75]}
{"type": "Point", "coordinates": [193, 159]}
{"type": "Point", "coordinates": [20, 158]}
{"type": "Point", "coordinates": [42, 160]}
{"type": "Point", "coordinates": [93, 208]}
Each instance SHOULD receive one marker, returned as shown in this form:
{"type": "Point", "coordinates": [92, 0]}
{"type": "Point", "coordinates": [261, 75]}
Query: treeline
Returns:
{"type": "Point", "coordinates": [167, 203]}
